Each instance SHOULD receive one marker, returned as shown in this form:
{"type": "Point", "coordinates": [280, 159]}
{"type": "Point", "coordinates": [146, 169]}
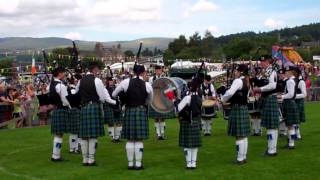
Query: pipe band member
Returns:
{"type": "Point", "coordinates": [138, 95]}
{"type": "Point", "coordinates": [113, 114]}
{"type": "Point", "coordinates": [74, 115]}
{"type": "Point", "coordinates": [269, 104]}
{"type": "Point", "coordinates": [281, 84]}
{"type": "Point", "coordinates": [208, 92]}
{"type": "Point", "coordinates": [159, 118]}
{"type": "Point", "coordinates": [93, 93]}
{"type": "Point", "coordinates": [239, 123]}
{"type": "Point", "coordinates": [190, 124]}
{"type": "Point", "coordinates": [58, 96]}
{"type": "Point", "coordinates": [301, 91]}
{"type": "Point", "coordinates": [291, 115]}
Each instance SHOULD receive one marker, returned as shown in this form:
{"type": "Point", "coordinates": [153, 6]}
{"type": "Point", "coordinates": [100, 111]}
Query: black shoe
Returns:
{"type": "Point", "coordinates": [93, 164]}
{"type": "Point", "coordinates": [85, 164]}
{"type": "Point", "coordinates": [57, 160]}
{"type": "Point", "coordinates": [267, 154]}
{"type": "Point", "coordinates": [207, 134]}
{"type": "Point", "coordinates": [75, 152]}
{"type": "Point", "coordinates": [161, 138]}
{"type": "Point", "coordinates": [299, 139]}
{"type": "Point", "coordinates": [131, 168]}
{"type": "Point", "coordinates": [240, 162]}
{"type": "Point", "coordinates": [288, 147]}
{"type": "Point", "coordinates": [188, 168]}
{"type": "Point", "coordinates": [139, 168]}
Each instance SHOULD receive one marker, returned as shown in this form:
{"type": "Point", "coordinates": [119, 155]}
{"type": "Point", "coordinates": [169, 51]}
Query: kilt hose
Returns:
{"type": "Point", "coordinates": [73, 121]}
{"type": "Point", "coordinates": [91, 121]}
{"type": "Point", "coordinates": [111, 117]}
{"type": "Point", "coordinates": [59, 120]}
{"type": "Point", "coordinates": [239, 122]}
{"type": "Point", "coordinates": [156, 115]}
{"type": "Point", "coordinates": [291, 114]}
{"type": "Point", "coordinates": [270, 116]}
{"type": "Point", "coordinates": [190, 133]}
{"type": "Point", "coordinates": [135, 124]}
{"type": "Point", "coordinates": [300, 107]}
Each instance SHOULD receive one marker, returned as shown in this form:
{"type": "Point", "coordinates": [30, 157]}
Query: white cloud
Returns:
{"type": "Point", "coordinates": [213, 29]}
{"type": "Point", "coordinates": [200, 6]}
{"type": "Point", "coordinates": [73, 36]}
{"type": "Point", "coordinates": [273, 24]}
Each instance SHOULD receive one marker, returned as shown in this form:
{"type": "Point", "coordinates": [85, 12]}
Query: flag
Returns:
{"type": "Point", "coordinates": [33, 67]}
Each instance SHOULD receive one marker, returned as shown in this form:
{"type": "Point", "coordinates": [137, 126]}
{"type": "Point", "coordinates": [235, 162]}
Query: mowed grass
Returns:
{"type": "Point", "coordinates": [25, 154]}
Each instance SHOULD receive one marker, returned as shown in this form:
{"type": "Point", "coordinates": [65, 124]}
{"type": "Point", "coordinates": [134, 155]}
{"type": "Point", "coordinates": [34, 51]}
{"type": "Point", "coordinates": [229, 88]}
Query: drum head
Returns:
{"type": "Point", "coordinates": [208, 103]}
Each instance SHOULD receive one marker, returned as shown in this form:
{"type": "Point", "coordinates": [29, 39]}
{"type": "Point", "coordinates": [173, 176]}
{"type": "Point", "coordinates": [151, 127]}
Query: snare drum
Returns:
{"type": "Point", "coordinates": [208, 110]}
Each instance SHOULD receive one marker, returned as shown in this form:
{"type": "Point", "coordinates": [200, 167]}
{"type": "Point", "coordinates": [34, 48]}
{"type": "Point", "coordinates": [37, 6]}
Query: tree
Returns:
{"type": "Point", "coordinates": [129, 53]}
{"type": "Point", "coordinates": [168, 57]}
{"type": "Point", "coordinates": [207, 45]}
{"type": "Point", "coordinates": [5, 67]}
{"type": "Point", "coordinates": [87, 60]}
{"type": "Point", "coordinates": [178, 44]}
{"type": "Point", "coordinates": [195, 40]}
{"type": "Point", "coordinates": [62, 56]}
{"type": "Point", "coordinates": [146, 52]}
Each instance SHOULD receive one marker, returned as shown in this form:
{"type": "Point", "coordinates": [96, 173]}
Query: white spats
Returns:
{"type": "Point", "coordinates": [162, 128]}
{"type": "Point", "coordinates": [194, 153]}
{"type": "Point", "coordinates": [240, 146]}
{"type": "Point", "coordinates": [138, 151]}
{"type": "Point", "coordinates": [111, 131]}
{"type": "Point", "coordinates": [130, 153]}
{"type": "Point", "coordinates": [57, 144]}
{"type": "Point", "coordinates": [85, 150]}
{"type": "Point", "coordinates": [188, 156]}
{"type": "Point", "coordinates": [245, 148]}
{"type": "Point", "coordinates": [157, 127]}
{"type": "Point", "coordinates": [117, 132]}
{"type": "Point", "coordinates": [256, 126]}
{"type": "Point", "coordinates": [73, 143]}
{"type": "Point", "coordinates": [206, 126]}
{"type": "Point", "coordinates": [297, 129]}
{"type": "Point", "coordinates": [272, 137]}
{"type": "Point", "coordinates": [283, 129]}
{"type": "Point", "coordinates": [291, 137]}
{"type": "Point", "coordinates": [93, 143]}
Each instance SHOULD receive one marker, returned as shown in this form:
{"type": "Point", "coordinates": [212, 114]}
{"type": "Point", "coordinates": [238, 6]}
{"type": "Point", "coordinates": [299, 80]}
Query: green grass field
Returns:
{"type": "Point", "coordinates": [25, 154]}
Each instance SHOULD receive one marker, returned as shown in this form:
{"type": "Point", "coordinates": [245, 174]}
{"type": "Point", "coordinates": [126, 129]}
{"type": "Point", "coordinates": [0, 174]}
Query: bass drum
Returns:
{"type": "Point", "coordinates": [165, 91]}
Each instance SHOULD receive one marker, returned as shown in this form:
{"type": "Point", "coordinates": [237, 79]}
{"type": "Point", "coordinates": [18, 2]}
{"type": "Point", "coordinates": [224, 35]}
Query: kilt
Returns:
{"type": "Point", "coordinates": [110, 117]}
{"type": "Point", "coordinates": [135, 124]}
{"type": "Point", "coordinates": [300, 107]}
{"type": "Point", "coordinates": [190, 133]}
{"type": "Point", "coordinates": [154, 114]}
{"type": "Point", "coordinates": [291, 114]}
{"type": "Point", "coordinates": [239, 123]}
{"type": "Point", "coordinates": [270, 112]}
{"type": "Point", "coordinates": [91, 121]}
{"type": "Point", "coordinates": [59, 120]}
{"type": "Point", "coordinates": [73, 121]}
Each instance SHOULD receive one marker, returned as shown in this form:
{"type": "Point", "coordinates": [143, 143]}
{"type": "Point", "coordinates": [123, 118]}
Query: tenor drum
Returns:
{"type": "Point", "coordinates": [208, 110]}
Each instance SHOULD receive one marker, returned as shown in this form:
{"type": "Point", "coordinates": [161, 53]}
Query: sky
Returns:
{"type": "Point", "coordinates": [112, 20]}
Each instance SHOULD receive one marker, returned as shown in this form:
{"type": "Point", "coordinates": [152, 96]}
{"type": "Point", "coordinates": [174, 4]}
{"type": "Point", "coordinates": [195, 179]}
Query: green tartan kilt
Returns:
{"type": "Point", "coordinates": [135, 124]}
{"type": "Point", "coordinates": [300, 107]}
{"type": "Point", "coordinates": [91, 121]}
{"type": "Point", "coordinates": [239, 123]}
{"type": "Point", "coordinates": [156, 115]}
{"type": "Point", "coordinates": [270, 115]}
{"type": "Point", "coordinates": [190, 133]}
{"type": "Point", "coordinates": [110, 117]}
{"type": "Point", "coordinates": [73, 121]}
{"type": "Point", "coordinates": [59, 120]}
{"type": "Point", "coordinates": [291, 114]}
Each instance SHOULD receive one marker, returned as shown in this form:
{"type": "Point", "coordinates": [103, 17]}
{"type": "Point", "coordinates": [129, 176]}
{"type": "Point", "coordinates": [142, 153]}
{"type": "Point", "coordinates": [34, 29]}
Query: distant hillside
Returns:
{"type": "Point", "coordinates": [25, 43]}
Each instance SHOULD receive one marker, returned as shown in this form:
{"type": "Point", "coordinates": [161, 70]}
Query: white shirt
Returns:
{"type": "Point", "coordinates": [290, 87]}
{"type": "Point", "coordinates": [61, 89]}
{"type": "Point", "coordinates": [101, 90]}
{"type": "Point", "coordinates": [185, 101]}
{"type": "Point", "coordinates": [211, 87]}
{"type": "Point", "coordinates": [237, 84]}
{"type": "Point", "coordinates": [124, 85]}
{"type": "Point", "coordinates": [151, 78]}
{"type": "Point", "coordinates": [272, 80]}
{"type": "Point", "coordinates": [302, 87]}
